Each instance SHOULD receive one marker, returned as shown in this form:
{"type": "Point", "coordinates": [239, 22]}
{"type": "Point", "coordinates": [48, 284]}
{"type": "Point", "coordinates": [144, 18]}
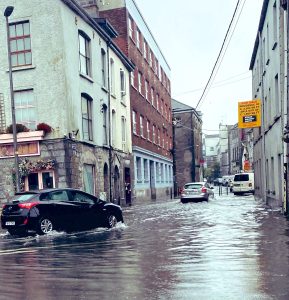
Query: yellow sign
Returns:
{"type": "Point", "coordinates": [249, 114]}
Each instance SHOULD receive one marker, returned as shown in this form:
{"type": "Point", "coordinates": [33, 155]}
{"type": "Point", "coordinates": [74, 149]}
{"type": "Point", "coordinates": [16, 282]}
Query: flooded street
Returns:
{"type": "Point", "coordinates": [228, 248]}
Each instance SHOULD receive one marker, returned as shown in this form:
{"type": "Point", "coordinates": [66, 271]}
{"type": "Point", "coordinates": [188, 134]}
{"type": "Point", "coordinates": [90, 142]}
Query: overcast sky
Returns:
{"type": "Point", "coordinates": [190, 34]}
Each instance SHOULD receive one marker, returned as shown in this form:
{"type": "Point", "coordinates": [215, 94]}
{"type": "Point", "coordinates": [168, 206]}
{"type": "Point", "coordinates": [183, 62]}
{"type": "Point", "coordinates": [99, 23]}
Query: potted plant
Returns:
{"type": "Point", "coordinates": [45, 127]}
{"type": "Point", "coordinates": [19, 128]}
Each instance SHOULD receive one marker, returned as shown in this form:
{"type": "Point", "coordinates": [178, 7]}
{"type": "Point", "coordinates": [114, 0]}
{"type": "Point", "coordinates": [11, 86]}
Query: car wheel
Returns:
{"type": "Point", "coordinates": [45, 226]}
{"type": "Point", "coordinates": [111, 220]}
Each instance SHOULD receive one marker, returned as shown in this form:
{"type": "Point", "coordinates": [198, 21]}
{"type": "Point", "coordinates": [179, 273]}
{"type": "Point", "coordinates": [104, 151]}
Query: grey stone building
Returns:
{"type": "Point", "coordinates": [187, 140]}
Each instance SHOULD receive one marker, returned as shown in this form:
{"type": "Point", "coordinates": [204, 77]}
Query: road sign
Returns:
{"type": "Point", "coordinates": [249, 114]}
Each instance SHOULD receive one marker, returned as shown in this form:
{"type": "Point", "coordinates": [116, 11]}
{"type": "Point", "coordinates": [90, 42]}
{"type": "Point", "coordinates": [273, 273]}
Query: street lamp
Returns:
{"type": "Point", "coordinates": [7, 13]}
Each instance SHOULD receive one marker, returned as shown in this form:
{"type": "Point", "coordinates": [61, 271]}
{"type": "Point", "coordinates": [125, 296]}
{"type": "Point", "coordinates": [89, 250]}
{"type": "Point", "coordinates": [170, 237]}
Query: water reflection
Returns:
{"type": "Point", "coordinates": [228, 248]}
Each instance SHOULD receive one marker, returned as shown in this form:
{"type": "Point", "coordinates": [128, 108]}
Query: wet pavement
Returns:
{"type": "Point", "coordinates": [229, 248]}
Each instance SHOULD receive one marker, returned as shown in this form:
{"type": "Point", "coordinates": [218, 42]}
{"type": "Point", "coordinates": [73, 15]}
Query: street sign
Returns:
{"type": "Point", "coordinates": [249, 114]}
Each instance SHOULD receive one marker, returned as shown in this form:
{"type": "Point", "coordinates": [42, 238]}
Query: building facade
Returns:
{"type": "Point", "coordinates": [150, 91]}
{"type": "Point", "coordinates": [187, 150]}
{"type": "Point", "coordinates": [75, 81]}
{"type": "Point", "coordinates": [235, 149]}
{"type": "Point", "coordinates": [269, 85]}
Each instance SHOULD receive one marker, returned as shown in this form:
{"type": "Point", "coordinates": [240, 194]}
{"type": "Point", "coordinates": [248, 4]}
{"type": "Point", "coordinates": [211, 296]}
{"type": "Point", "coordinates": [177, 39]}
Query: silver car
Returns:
{"type": "Point", "coordinates": [196, 191]}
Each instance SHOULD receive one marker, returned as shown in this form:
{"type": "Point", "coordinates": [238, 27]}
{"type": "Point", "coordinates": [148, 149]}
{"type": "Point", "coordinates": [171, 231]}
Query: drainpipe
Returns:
{"type": "Point", "coordinates": [286, 158]}
{"type": "Point", "coordinates": [264, 171]}
{"type": "Point", "coordinates": [109, 122]}
{"type": "Point", "coordinates": [193, 149]}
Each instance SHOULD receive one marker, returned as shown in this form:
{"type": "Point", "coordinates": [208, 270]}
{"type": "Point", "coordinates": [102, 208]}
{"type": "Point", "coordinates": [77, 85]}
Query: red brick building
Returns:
{"type": "Point", "coordinates": [150, 93]}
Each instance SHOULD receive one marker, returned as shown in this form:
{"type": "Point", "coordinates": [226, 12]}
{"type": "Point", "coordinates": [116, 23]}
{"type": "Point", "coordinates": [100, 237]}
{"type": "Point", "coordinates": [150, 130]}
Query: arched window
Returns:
{"type": "Point", "coordinates": [84, 53]}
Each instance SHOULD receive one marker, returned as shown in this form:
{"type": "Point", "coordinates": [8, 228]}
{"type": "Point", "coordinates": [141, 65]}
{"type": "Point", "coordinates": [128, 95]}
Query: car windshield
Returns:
{"type": "Point", "coordinates": [241, 177]}
{"type": "Point", "coordinates": [193, 186]}
{"type": "Point", "coordinates": [23, 197]}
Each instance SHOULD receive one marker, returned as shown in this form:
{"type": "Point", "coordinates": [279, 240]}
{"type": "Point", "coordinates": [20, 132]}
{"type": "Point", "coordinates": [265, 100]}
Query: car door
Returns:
{"type": "Point", "coordinates": [88, 212]}
{"type": "Point", "coordinates": [58, 208]}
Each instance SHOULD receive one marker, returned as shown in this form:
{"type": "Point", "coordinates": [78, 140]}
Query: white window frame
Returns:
{"type": "Point", "coordinates": [148, 131]}
{"type": "Point", "coordinates": [140, 82]}
{"type": "Point", "coordinates": [25, 101]}
{"type": "Point", "coordinates": [141, 121]}
{"type": "Point", "coordinates": [134, 122]}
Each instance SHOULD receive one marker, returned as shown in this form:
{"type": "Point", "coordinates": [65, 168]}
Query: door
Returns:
{"type": "Point", "coordinates": [127, 183]}
{"type": "Point", "coordinates": [88, 213]}
{"type": "Point", "coordinates": [152, 180]}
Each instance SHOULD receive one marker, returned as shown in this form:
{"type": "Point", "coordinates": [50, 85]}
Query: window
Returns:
{"type": "Point", "coordinates": [20, 43]}
{"type": "Point", "coordinates": [132, 78]}
{"type": "Point", "coordinates": [122, 83]}
{"type": "Point", "coordinates": [148, 130]}
{"type": "Point", "coordinates": [146, 89]}
{"type": "Point", "coordinates": [88, 178]}
{"type": "Point", "coordinates": [57, 196]}
{"type": "Point", "coordinates": [40, 180]}
{"type": "Point", "coordinates": [145, 47]}
{"type": "Point", "coordinates": [78, 196]}
{"type": "Point", "coordinates": [146, 170]}
{"type": "Point", "coordinates": [159, 137]}
{"type": "Point", "coordinates": [152, 97]}
{"type": "Point", "coordinates": [157, 67]}
{"type": "Point", "coordinates": [104, 124]}
{"type": "Point", "coordinates": [112, 77]}
{"type": "Point", "coordinates": [151, 58]}
{"type": "Point", "coordinates": [277, 100]}
{"type": "Point", "coordinates": [162, 107]}
{"type": "Point", "coordinates": [130, 27]}
{"type": "Point", "coordinates": [123, 133]}
{"type": "Point", "coordinates": [275, 26]}
{"type": "Point", "coordinates": [154, 134]}
{"type": "Point", "coordinates": [138, 169]}
{"type": "Point", "coordinates": [138, 39]}
{"type": "Point", "coordinates": [140, 82]}
{"type": "Point", "coordinates": [134, 122]}
{"type": "Point", "coordinates": [103, 68]}
{"type": "Point", "coordinates": [141, 121]}
{"type": "Point", "coordinates": [25, 109]}
{"type": "Point", "coordinates": [86, 110]}
{"type": "Point", "coordinates": [113, 129]}
{"type": "Point", "coordinates": [84, 54]}
{"type": "Point", "coordinates": [158, 102]}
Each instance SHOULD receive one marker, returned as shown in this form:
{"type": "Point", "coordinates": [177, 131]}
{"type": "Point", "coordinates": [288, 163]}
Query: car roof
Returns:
{"type": "Point", "coordinates": [199, 182]}
{"type": "Point", "coordinates": [45, 191]}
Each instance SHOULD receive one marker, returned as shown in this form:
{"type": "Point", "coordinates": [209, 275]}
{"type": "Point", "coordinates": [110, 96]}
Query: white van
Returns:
{"type": "Point", "coordinates": [243, 183]}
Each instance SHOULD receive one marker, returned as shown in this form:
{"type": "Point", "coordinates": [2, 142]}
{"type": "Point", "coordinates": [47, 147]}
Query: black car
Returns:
{"type": "Point", "coordinates": [58, 209]}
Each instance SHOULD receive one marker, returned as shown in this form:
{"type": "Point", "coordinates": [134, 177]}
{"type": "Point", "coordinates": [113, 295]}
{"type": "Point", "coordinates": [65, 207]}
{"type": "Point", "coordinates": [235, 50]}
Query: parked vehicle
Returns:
{"type": "Point", "coordinates": [58, 209]}
{"type": "Point", "coordinates": [243, 183]}
{"type": "Point", "coordinates": [196, 191]}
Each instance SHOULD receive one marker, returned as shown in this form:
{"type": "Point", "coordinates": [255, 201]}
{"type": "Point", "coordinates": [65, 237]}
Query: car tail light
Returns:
{"type": "Point", "coordinates": [25, 221]}
{"type": "Point", "coordinates": [4, 206]}
{"type": "Point", "coordinates": [27, 205]}
{"type": "Point", "coordinates": [204, 190]}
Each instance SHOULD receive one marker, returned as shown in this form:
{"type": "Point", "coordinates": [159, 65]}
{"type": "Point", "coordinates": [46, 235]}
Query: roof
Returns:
{"type": "Point", "coordinates": [179, 107]}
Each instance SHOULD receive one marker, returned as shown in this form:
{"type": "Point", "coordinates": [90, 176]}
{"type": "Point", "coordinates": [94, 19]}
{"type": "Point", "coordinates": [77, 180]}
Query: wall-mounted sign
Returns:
{"type": "Point", "coordinates": [24, 149]}
{"type": "Point", "coordinates": [249, 114]}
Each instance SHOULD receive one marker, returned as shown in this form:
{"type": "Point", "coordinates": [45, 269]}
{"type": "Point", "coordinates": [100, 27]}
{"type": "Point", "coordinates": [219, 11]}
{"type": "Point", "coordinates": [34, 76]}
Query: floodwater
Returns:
{"type": "Point", "coordinates": [229, 248]}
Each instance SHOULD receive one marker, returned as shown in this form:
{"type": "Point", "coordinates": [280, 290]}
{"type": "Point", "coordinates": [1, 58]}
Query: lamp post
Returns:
{"type": "Point", "coordinates": [7, 13]}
